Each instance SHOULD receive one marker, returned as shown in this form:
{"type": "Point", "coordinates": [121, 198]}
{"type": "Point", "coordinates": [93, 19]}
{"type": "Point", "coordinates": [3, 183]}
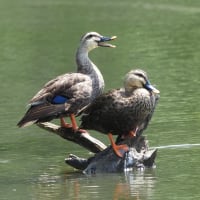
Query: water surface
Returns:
{"type": "Point", "coordinates": [38, 42]}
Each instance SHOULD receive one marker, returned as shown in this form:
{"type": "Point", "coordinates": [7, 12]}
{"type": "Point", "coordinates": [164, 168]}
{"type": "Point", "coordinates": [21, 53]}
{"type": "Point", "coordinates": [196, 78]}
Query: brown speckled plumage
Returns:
{"type": "Point", "coordinates": [120, 111]}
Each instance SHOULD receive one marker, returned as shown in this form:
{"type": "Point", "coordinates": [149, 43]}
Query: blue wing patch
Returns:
{"type": "Point", "coordinates": [59, 99]}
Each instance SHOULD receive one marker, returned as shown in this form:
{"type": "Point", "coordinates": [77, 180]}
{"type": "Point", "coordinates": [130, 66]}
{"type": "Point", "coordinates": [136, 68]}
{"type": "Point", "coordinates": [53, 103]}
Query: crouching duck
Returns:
{"type": "Point", "coordinates": [68, 94]}
{"type": "Point", "coordinates": [123, 111]}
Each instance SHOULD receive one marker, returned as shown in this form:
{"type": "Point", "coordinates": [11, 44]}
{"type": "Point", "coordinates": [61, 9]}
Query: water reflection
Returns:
{"type": "Point", "coordinates": [160, 37]}
{"type": "Point", "coordinates": [129, 185]}
{"type": "Point", "coordinates": [141, 184]}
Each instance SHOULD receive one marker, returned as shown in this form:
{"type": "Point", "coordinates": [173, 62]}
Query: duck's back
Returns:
{"type": "Point", "coordinates": [77, 88]}
{"type": "Point", "coordinates": [118, 112]}
{"type": "Point", "coordinates": [66, 94]}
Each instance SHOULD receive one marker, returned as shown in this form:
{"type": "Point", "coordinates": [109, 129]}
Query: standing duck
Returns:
{"type": "Point", "coordinates": [68, 94]}
{"type": "Point", "coordinates": [123, 111]}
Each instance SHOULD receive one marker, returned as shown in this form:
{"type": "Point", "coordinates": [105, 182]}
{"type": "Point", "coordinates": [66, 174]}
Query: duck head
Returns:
{"type": "Point", "coordinates": [93, 40]}
{"type": "Point", "coordinates": [138, 79]}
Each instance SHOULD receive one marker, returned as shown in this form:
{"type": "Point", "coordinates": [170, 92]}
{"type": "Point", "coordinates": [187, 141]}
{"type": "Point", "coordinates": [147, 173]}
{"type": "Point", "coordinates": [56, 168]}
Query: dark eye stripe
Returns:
{"type": "Point", "coordinates": [140, 75]}
{"type": "Point", "coordinates": [89, 36]}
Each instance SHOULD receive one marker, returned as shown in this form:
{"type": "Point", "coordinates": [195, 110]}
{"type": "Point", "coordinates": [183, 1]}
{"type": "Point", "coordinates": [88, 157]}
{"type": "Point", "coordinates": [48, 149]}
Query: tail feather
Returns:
{"type": "Point", "coordinates": [23, 123]}
{"type": "Point", "coordinates": [41, 113]}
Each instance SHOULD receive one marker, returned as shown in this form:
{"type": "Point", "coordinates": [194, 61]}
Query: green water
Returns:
{"type": "Point", "coordinates": [38, 40]}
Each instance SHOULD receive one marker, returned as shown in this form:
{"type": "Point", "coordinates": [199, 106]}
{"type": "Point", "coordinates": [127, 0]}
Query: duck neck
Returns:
{"type": "Point", "coordinates": [86, 66]}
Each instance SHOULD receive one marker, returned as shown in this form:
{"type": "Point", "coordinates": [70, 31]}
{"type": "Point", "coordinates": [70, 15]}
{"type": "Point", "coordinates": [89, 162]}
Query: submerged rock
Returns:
{"type": "Point", "coordinates": [106, 161]}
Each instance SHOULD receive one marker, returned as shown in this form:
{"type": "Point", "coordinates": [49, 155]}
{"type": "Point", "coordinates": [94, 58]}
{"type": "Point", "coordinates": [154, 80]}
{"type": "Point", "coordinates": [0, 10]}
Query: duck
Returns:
{"type": "Point", "coordinates": [124, 111]}
{"type": "Point", "coordinates": [69, 94]}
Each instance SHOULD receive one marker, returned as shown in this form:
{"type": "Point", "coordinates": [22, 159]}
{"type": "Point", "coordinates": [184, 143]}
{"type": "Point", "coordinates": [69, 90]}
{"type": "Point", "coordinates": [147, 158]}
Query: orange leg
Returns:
{"type": "Point", "coordinates": [74, 124]}
{"type": "Point", "coordinates": [117, 148]}
{"type": "Point", "coordinates": [64, 124]}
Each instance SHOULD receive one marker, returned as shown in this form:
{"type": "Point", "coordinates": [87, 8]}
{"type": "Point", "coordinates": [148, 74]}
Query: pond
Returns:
{"type": "Point", "coordinates": [38, 42]}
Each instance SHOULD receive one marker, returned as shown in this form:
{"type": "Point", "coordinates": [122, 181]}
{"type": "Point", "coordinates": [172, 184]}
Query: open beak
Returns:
{"type": "Point", "coordinates": [103, 41]}
{"type": "Point", "coordinates": [151, 88]}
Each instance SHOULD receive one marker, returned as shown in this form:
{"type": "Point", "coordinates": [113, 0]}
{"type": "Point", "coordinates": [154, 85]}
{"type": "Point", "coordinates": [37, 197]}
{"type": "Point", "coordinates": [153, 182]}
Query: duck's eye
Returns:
{"type": "Point", "coordinates": [89, 36]}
